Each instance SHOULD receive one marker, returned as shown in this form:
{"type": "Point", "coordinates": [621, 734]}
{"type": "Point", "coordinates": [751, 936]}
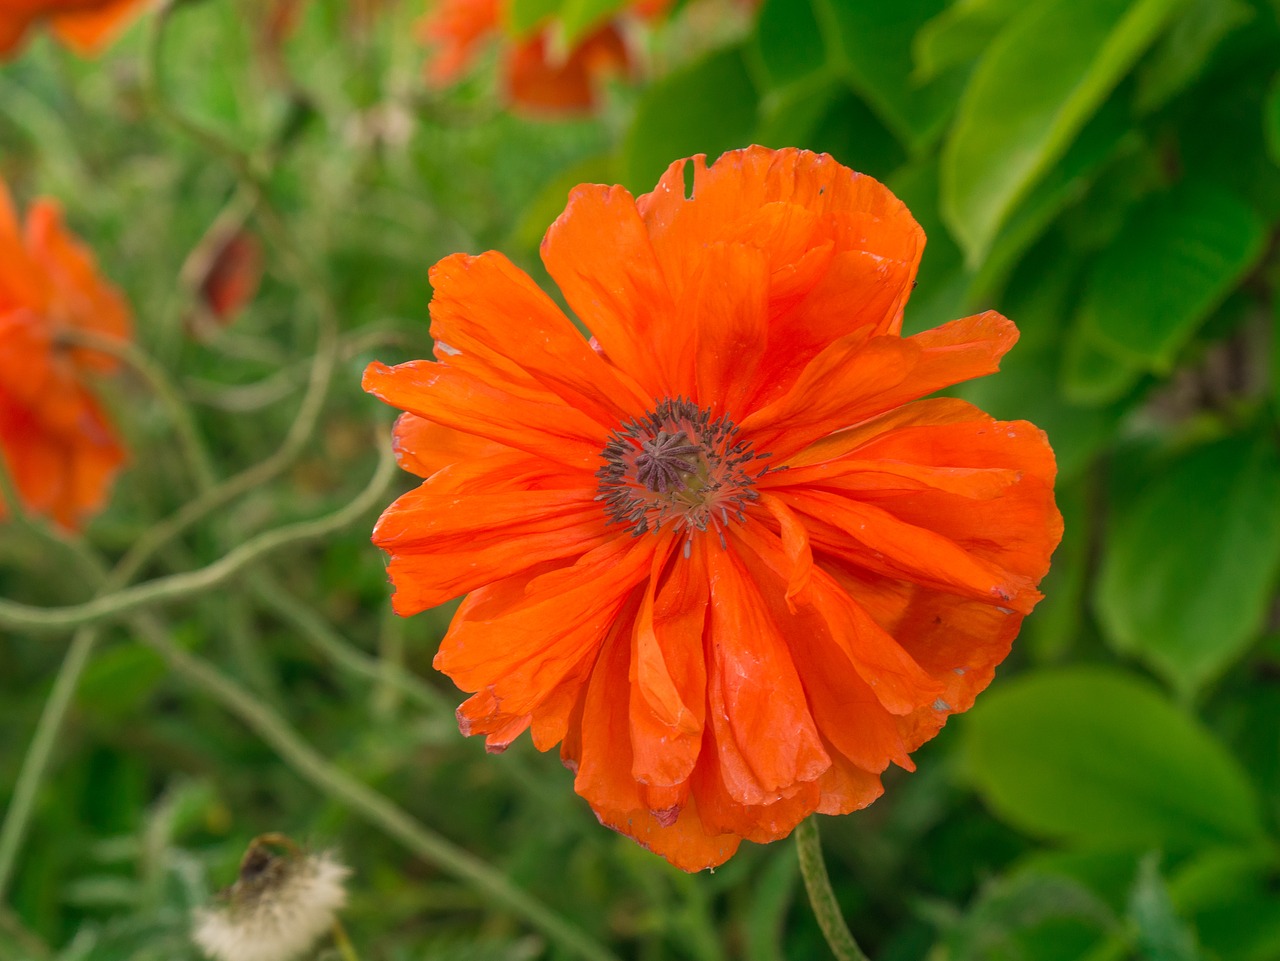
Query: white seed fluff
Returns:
{"type": "Point", "coordinates": [276, 921]}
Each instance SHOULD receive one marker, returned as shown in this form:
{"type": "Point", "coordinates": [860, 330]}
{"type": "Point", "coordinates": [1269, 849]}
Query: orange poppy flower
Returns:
{"type": "Point", "coordinates": [726, 553]}
{"type": "Point", "coordinates": [533, 75]}
{"type": "Point", "coordinates": [55, 440]}
{"type": "Point", "coordinates": [86, 26]}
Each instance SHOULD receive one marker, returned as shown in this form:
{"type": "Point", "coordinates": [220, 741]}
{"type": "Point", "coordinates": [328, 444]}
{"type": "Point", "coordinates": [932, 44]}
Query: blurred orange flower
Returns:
{"type": "Point", "coordinates": [55, 440]}
{"type": "Point", "coordinates": [724, 552]}
{"type": "Point", "coordinates": [534, 74]}
{"type": "Point", "coordinates": [86, 26]}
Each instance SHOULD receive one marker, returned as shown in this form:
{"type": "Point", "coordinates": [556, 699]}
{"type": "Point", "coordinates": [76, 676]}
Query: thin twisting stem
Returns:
{"type": "Point", "coordinates": [193, 448]}
{"type": "Point", "coordinates": [825, 908]}
{"type": "Point", "coordinates": [272, 595]}
{"type": "Point", "coordinates": [36, 760]}
{"type": "Point", "coordinates": [177, 586]}
{"type": "Point", "coordinates": [375, 807]}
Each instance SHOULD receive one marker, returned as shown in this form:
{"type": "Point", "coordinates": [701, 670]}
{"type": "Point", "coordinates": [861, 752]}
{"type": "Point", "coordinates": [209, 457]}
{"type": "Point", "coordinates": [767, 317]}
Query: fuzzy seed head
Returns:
{"type": "Point", "coordinates": [280, 906]}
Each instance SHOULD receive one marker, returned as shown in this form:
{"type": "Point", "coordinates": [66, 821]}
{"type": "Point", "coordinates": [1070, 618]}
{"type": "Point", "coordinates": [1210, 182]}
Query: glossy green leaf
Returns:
{"type": "Point", "coordinates": [1184, 51]}
{"type": "Point", "coordinates": [1093, 373]}
{"type": "Point", "coordinates": [956, 36]}
{"type": "Point", "coordinates": [787, 44]}
{"type": "Point", "coordinates": [670, 122]}
{"type": "Point", "coordinates": [1175, 260]}
{"type": "Point", "coordinates": [1095, 755]}
{"type": "Point", "coordinates": [1190, 566]}
{"type": "Point", "coordinates": [1103, 136]}
{"type": "Point", "coordinates": [1037, 85]}
{"type": "Point", "coordinates": [872, 46]}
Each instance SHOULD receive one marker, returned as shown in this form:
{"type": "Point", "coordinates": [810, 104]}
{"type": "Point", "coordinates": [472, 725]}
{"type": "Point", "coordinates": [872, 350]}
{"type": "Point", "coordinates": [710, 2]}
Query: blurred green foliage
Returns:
{"type": "Point", "coordinates": [1105, 172]}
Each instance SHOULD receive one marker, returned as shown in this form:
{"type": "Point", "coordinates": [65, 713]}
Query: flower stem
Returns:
{"type": "Point", "coordinates": [375, 807]}
{"type": "Point", "coordinates": [184, 426]}
{"type": "Point", "coordinates": [179, 586]}
{"type": "Point", "coordinates": [823, 900]}
{"type": "Point", "coordinates": [343, 943]}
{"type": "Point", "coordinates": [36, 761]}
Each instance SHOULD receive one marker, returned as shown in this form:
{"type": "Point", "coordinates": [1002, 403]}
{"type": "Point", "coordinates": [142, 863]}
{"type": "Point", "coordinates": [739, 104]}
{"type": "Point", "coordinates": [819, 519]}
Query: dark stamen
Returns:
{"type": "Point", "coordinates": [664, 459]}
{"type": "Point", "coordinates": [677, 464]}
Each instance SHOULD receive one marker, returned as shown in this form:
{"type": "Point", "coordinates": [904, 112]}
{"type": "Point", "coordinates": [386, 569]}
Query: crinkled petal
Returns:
{"type": "Point", "coordinates": [598, 252]}
{"type": "Point", "coordinates": [765, 736]}
{"type": "Point", "coordinates": [423, 447]}
{"type": "Point", "coordinates": [438, 552]}
{"type": "Point", "coordinates": [668, 672]}
{"type": "Point", "coordinates": [492, 321]}
{"type": "Point", "coordinates": [726, 305]}
{"type": "Point", "coordinates": [857, 378]}
{"type": "Point", "coordinates": [601, 756]}
{"type": "Point", "coordinates": [871, 537]}
{"type": "Point", "coordinates": [520, 639]}
{"type": "Point", "coordinates": [461, 401]}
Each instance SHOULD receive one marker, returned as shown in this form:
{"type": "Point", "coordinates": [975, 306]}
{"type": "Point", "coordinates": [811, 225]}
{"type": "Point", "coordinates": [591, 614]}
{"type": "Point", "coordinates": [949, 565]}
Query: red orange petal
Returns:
{"type": "Point", "coordinates": [490, 319]}
{"type": "Point", "coordinates": [455, 399]}
{"type": "Point", "coordinates": [616, 287]}
{"type": "Point", "coordinates": [668, 671]}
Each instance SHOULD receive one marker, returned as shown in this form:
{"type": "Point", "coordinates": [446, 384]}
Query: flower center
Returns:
{"type": "Point", "coordinates": [677, 466]}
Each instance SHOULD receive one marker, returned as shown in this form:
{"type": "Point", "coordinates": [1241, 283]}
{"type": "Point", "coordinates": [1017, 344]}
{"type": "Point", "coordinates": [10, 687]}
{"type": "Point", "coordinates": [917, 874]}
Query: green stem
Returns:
{"type": "Point", "coordinates": [36, 760]}
{"type": "Point", "coordinates": [372, 805]}
{"type": "Point", "coordinates": [275, 598]}
{"type": "Point", "coordinates": [825, 908]}
{"type": "Point", "coordinates": [178, 586]}
{"type": "Point", "coordinates": [343, 943]}
{"type": "Point", "coordinates": [184, 425]}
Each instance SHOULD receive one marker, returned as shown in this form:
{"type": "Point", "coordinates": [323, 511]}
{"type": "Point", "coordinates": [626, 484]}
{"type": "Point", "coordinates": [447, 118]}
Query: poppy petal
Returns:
{"type": "Point", "coordinates": [616, 288]}
{"type": "Point", "coordinates": [765, 737]}
{"type": "Point", "coordinates": [463, 402]}
{"type": "Point", "coordinates": [602, 760]}
{"type": "Point", "coordinates": [496, 323]}
{"type": "Point", "coordinates": [855, 379]}
{"type": "Point", "coordinates": [668, 672]}
{"type": "Point", "coordinates": [522, 638]}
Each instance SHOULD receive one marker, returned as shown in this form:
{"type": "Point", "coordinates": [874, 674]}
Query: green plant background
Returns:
{"type": "Point", "coordinates": [1104, 172]}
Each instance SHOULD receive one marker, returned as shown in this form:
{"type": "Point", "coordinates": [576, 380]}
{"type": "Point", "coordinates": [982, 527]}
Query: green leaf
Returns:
{"type": "Point", "coordinates": [793, 116]}
{"type": "Point", "coordinates": [1271, 120]}
{"type": "Point", "coordinates": [786, 45]}
{"type": "Point", "coordinates": [1191, 564]}
{"type": "Point", "coordinates": [956, 36]}
{"type": "Point", "coordinates": [872, 46]}
{"type": "Point", "coordinates": [1041, 79]}
{"type": "Point", "coordinates": [1105, 134]}
{"type": "Point", "coordinates": [580, 17]}
{"type": "Point", "coordinates": [1161, 934]}
{"type": "Point", "coordinates": [1228, 894]}
{"type": "Point", "coordinates": [1183, 53]}
{"type": "Point", "coordinates": [524, 15]}
{"type": "Point", "coordinates": [550, 201]}
{"type": "Point", "coordinates": [1096, 755]}
{"type": "Point", "coordinates": [1093, 374]}
{"type": "Point", "coordinates": [677, 117]}
{"type": "Point", "coordinates": [1175, 260]}
{"type": "Point", "coordinates": [1013, 910]}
